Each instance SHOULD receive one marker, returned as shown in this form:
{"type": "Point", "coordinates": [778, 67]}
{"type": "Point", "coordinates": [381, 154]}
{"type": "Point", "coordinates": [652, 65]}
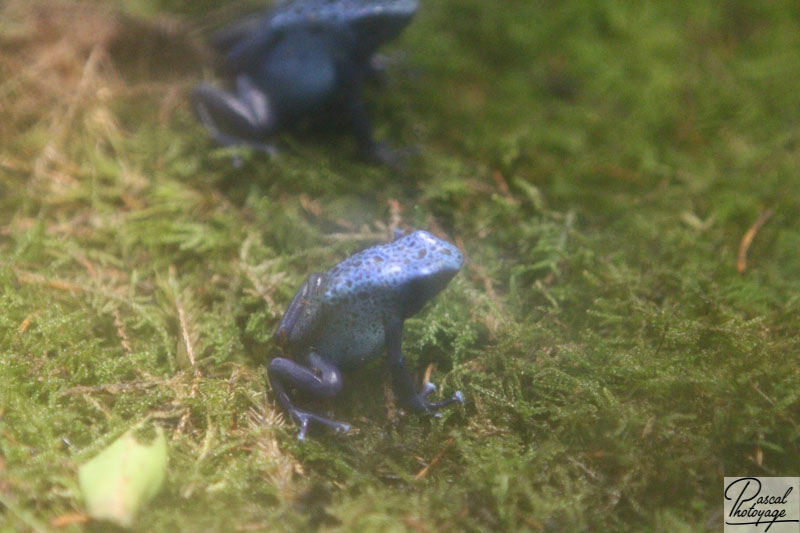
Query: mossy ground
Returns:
{"type": "Point", "coordinates": [599, 162]}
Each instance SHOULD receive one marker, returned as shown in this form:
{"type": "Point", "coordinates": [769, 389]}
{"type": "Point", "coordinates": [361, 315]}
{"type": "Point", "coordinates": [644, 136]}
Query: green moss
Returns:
{"type": "Point", "coordinates": [599, 162]}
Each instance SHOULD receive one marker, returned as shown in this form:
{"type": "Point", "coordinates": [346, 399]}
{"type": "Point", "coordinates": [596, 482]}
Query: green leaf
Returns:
{"type": "Point", "coordinates": [123, 477]}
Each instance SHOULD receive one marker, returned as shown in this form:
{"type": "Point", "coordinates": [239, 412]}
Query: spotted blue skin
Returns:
{"type": "Point", "coordinates": [348, 315]}
{"type": "Point", "coordinates": [300, 59]}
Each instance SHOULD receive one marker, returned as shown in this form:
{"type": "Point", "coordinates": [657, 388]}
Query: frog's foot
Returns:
{"type": "Point", "coordinates": [421, 404]}
{"type": "Point", "coordinates": [265, 148]}
{"type": "Point", "coordinates": [304, 418]}
{"type": "Point", "coordinates": [381, 154]}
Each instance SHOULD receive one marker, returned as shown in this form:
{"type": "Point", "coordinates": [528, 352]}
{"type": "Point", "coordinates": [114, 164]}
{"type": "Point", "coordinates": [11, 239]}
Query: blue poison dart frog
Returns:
{"type": "Point", "coordinates": [348, 315]}
{"type": "Point", "coordinates": [301, 59]}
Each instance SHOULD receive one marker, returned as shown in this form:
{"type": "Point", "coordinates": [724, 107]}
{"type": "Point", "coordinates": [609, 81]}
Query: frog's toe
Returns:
{"type": "Point", "coordinates": [301, 435]}
{"type": "Point", "coordinates": [341, 427]}
{"type": "Point", "coordinates": [458, 397]}
{"type": "Point", "coordinates": [427, 389]}
{"type": "Point", "coordinates": [304, 419]}
{"type": "Point", "coordinates": [395, 158]}
{"type": "Point", "coordinates": [269, 149]}
{"type": "Point", "coordinates": [420, 404]}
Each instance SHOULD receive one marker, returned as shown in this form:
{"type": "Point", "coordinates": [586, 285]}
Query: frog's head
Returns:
{"type": "Point", "coordinates": [378, 22]}
{"type": "Point", "coordinates": [430, 264]}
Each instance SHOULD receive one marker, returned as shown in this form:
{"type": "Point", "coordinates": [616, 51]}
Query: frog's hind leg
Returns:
{"type": "Point", "coordinates": [321, 379]}
{"type": "Point", "coordinates": [235, 119]}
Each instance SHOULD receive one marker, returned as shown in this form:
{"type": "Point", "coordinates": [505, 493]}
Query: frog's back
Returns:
{"type": "Point", "coordinates": [301, 12]}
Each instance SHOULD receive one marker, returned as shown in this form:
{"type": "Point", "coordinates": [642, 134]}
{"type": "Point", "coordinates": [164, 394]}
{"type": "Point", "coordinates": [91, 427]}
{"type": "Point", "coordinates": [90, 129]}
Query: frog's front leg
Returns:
{"type": "Point", "coordinates": [403, 385]}
{"type": "Point", "coordinates": [242, 118]}
{"type": "Point", "coordinates": [321, 379]}
{"type": "Point", "coordinates": [368, 148]}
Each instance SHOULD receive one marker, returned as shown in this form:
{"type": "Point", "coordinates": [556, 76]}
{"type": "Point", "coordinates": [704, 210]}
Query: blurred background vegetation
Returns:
{"type": "Point", "coordinates": [624, 330]}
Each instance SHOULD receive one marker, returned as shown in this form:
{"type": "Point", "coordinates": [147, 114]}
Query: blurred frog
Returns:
{"type": "Point", "coordinates": [301, 59]}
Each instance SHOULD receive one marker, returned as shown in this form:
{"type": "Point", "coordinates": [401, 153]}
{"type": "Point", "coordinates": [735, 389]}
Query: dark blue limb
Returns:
{"type": "Point", "coordinates": [361, 126]}
{"type": "Point", "coordinates": [292, 329]}
{"type": "Point", "coordinates": [360, 123]}
{"type": "Point", "coordinates": [240, 119]}
{"type": "Point", "coordinates": [321, 379]}
{"type": "Point", "coordinates": [401, 379]}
